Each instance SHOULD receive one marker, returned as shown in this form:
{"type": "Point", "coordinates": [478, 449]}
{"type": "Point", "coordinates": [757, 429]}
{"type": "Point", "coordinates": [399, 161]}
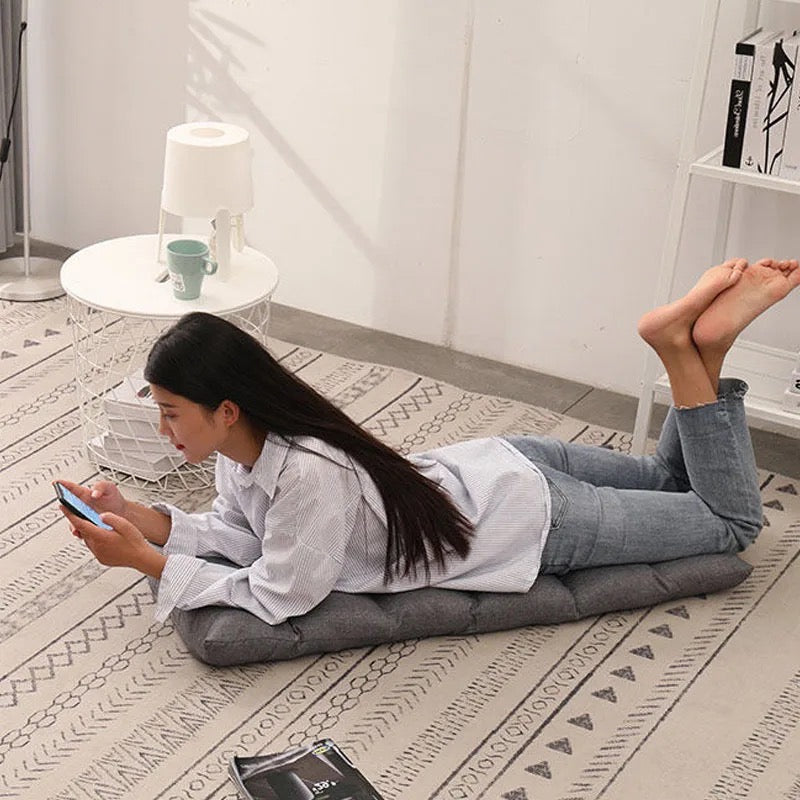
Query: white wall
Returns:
{"type": "Point", "coordinates": [353, 108]}
{"type": "Point", "coordinates": [573, 126]}
{"type": "Point", "coordinates": [106, 81]}
{"type": "Point", "coordinates": [506, 161]}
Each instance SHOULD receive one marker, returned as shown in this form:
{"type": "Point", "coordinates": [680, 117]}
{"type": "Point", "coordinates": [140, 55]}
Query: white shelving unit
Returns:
{"type": "Point", "coordinates": [710, 165]}
{"type": "Point", "coordinates": [766, 369]}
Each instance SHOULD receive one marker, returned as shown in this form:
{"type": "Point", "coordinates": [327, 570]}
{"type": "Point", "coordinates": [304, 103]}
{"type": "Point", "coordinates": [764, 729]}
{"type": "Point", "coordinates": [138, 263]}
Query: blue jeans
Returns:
{"type": "Point", "coordinates": [698, 494]}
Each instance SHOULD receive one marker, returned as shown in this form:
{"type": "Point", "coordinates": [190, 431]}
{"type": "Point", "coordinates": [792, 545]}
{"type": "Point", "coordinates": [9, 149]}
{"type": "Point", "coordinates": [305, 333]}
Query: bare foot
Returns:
{"type": "Point", "coordinates": [670, 326]}
{"type": "Point", "coordinates": [762, 285]}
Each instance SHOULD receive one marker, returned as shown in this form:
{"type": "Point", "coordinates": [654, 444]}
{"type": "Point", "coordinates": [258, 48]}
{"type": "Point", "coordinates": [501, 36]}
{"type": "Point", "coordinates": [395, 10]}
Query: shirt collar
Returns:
{"type": "Point", "coordinates": [269, 464]}
{"type": "Point", "coordinates": [267, 467]}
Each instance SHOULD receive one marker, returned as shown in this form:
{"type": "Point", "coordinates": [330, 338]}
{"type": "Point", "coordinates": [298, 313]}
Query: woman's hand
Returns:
{"type": "Point", "coordinates": [102, 496]}
{"type": "Point", "coordinates": [124, 546]}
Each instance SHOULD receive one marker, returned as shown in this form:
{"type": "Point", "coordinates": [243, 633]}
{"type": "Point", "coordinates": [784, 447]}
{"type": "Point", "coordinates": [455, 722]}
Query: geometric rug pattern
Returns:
{"type": "Point", "coordinates": [698, 698]}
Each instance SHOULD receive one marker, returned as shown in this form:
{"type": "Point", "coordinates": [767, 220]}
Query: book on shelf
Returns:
{"type": "Point", "coordinates": [144, 447]}
{"type": "Point", "coordinates": [131, 410]}
{"type": "Point", "coordinates": [784, 56]}
{"type": "Point", "coordinates": [759, 145]}
{"type": "Point", "coordinates": [739, 97]}
{"type": "Point", "coordinates": [136, 462]}
{"type": "Point", "coordinates": [131, 399]}
{"type": "Point", "coordinates": [134, 428]}
{"type": "Point", "coordinates": [318, 771]}
{"type": "Point", "coordinates": [790, 161]}
{"type": "Point", "coordinates": [132, 443]}
{"type": "Point", "coordinates": [791, 401]}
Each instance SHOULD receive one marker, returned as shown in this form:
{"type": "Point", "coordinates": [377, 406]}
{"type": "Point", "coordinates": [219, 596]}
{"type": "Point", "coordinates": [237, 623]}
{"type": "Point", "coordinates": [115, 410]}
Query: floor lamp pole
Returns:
{"type": "Point", "coordinates": [27, 278]}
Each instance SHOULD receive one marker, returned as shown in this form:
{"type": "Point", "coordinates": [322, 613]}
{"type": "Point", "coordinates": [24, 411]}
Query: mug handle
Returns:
{"type": "Point", "coordinates": [209, 266]}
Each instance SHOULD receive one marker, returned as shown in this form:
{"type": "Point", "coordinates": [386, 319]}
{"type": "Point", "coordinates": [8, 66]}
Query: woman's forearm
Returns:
{"type": "Point", "coordinates": [155, 525]}
{"type": "Point", "coordinates": [152, 563]}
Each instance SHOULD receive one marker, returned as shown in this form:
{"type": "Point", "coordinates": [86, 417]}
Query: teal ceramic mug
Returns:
{"type": "Point", "coordinates": [188, 264]}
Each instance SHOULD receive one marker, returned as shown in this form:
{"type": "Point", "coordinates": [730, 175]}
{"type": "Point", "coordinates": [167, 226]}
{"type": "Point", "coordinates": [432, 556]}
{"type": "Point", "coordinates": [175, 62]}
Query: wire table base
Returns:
{"type": "Point", "coordinates": [109, 349]}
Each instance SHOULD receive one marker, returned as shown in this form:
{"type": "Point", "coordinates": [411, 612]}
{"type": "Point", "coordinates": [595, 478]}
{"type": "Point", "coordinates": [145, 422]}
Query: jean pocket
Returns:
{"type": "Point", "coordinates": [559, 503]}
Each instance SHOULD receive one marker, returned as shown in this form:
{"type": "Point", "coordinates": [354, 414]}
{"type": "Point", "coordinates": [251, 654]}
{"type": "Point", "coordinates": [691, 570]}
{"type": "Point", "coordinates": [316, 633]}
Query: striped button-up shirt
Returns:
{"type": "Point", "coordinates": [307, 520]}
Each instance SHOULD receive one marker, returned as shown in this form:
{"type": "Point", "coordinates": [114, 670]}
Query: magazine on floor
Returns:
{"type": "Point", "coordinates": [318, 771]}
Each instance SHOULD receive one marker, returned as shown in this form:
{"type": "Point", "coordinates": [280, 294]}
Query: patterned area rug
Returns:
{"type": "Point", "coordinates": [697, 699]}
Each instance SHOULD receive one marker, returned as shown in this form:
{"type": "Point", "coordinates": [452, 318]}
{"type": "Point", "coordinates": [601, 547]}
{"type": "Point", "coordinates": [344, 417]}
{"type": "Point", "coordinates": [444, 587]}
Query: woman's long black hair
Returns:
{"type": "Point", "coordinates": [208, 360]}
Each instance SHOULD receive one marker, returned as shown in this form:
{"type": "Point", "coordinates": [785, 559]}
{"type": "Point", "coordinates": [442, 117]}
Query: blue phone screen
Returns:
{"type": "Point", "coordinates": [78, 505]}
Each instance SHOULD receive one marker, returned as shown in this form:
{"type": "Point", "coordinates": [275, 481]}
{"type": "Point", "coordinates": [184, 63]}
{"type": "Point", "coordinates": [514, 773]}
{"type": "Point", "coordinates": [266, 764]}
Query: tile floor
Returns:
{"type": "Point", "coordinates": [774, 451]}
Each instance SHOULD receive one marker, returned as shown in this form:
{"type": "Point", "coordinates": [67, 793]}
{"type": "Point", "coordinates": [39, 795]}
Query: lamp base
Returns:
{"type": "Point", "coordinates": [41, 282]}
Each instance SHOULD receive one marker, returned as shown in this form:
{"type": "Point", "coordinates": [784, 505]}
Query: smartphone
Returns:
{"type": "Point", "coordinates": [78, 507]}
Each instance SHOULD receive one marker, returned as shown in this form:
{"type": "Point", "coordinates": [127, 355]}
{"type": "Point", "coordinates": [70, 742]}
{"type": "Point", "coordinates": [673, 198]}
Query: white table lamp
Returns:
{"type": "Point", "coordinates": [207, 173]}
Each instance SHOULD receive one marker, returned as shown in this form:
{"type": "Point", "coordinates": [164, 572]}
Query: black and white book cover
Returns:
{"type": "Point", "coordinates": [776, 113]}
{"type": "Point", "coordinates": [739, 99]}
{"type": "Point", "coordinates": [318, 771]}
{"type": "Point", "coordinates": [759, 140]}
{"type": "Point", "coordinates": [790, 159]}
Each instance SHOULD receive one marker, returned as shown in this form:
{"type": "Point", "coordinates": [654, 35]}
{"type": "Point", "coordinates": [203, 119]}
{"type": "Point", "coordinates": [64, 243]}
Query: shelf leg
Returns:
{"type": "Point", "coordinates": [644, 411]}
{"type": "Point", "coordinates": [663, 293]}
{"type": "Point", "coordinates": [720, 247]}
{"type": "Point", "coordinates": [677, 211]}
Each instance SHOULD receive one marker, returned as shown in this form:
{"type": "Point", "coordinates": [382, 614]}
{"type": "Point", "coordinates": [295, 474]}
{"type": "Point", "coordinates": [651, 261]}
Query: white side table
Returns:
{"type": "Point", "coordinates": [117, 309]}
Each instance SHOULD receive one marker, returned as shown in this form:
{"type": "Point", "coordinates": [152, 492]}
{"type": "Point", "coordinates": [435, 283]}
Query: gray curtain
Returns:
{"type": "Point", "coordinates": [10, 192]}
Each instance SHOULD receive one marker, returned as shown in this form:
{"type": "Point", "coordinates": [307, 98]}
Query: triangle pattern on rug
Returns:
{"type": "Point", "coordinates": [679, 611]}
{"type": "Point", "coordinates": [7, 354]}
{"type": "Point", "coordinates": [624, 672]}
{"type": "Point", "coordinates": [606, 694]}
{"type": "Point", "coordinates": [515, 794]}
{"type": "Point", "coordinates": [562, 745]}
{"type": "Point", "coordinates": [662, 630]}
{"type": "Point", "coordinates": [776, 504]}
{"type": "Point", "coordinates": [788, 489]}
{"type": "Point", "coordinates": [644, 652]}
{"type": "Point", "coordinates": [542, 769]}
{"type": "Point", "coordinates": [583, 721]}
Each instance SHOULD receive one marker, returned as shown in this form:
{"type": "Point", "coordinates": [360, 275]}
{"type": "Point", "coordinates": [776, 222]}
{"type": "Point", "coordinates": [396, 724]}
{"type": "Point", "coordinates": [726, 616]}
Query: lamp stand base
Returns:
{"type": "Point", "coordinates": [41, 282]}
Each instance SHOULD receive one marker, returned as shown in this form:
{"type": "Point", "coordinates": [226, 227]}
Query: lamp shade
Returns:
{"type": "Point", "coordinates": [207, 168]}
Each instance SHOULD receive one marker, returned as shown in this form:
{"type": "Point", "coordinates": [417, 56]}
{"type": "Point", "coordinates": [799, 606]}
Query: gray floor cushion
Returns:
{"type": "Point", "coordinates": [227, 636]}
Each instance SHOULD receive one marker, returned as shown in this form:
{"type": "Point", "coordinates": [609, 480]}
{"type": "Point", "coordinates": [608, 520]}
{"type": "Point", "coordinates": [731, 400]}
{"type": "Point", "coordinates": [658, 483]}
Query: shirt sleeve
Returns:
{"type": "Point", "coordinates": [306, 530]}
{"type": "Point", "coordinates": [222, 532]}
